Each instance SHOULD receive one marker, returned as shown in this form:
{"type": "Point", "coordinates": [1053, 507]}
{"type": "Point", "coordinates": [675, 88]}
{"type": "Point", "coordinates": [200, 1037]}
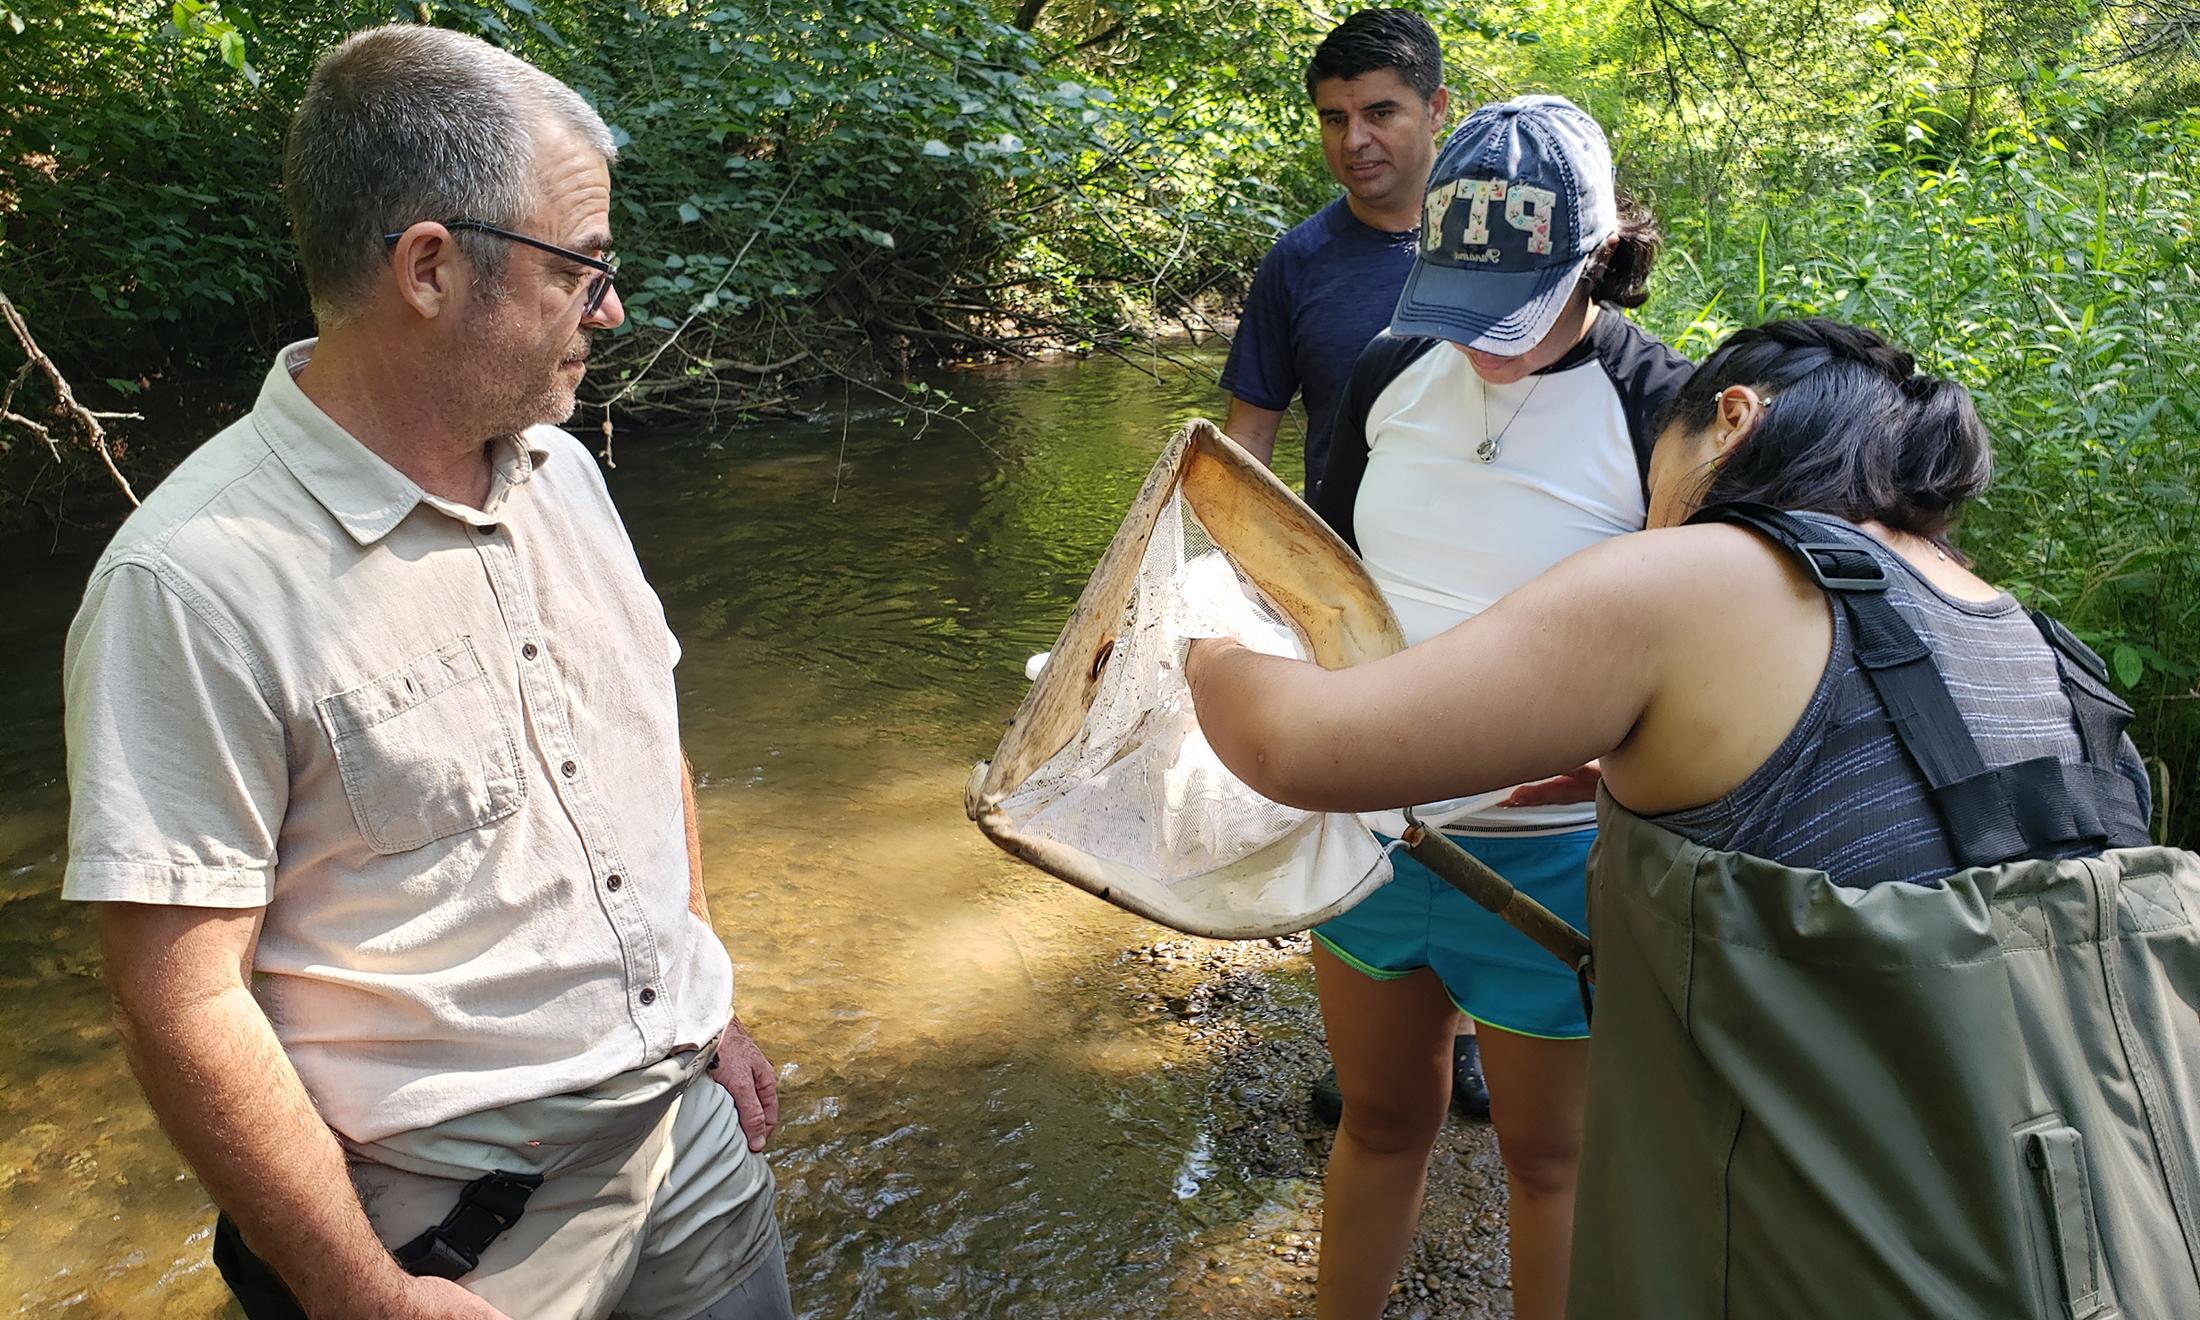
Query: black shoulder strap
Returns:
{"type": "Point", "coordinates": [2037, 808]}
{"type": "Point", "coordinates": [1338, 489]}
{"type": "Point", "coordinates": [1644, 373]}
{"type": "Point", "coordinates": [2101, 716]}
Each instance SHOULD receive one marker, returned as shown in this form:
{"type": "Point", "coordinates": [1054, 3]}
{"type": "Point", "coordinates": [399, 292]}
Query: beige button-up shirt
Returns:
{"type": "Point", "coordinates": [439, 745]}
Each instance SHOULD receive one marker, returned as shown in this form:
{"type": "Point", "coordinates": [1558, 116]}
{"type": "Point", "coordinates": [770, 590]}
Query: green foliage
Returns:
{"type": "Point", "coordinates": [859, 182]}
{"type": "Point", "coordinates": [141, 220]}
{"type": "Point", "coordinates": [2054, 274]}
{"type": "Point", "coordinates": [204, 21]}
{"type": "Point", "coordinates": [821, 188]}
{"type": "Point", "coordinates": [831, 186]}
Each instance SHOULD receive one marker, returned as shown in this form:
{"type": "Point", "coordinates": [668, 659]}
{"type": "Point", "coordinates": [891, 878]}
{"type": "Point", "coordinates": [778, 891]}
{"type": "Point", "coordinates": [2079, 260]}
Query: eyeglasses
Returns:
{"type": "Point", "coordinates": [599, 287]}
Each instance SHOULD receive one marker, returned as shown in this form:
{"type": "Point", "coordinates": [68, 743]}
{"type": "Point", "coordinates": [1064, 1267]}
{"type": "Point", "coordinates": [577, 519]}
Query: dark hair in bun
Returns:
{"type": "Point", "coordinates": [1851, 429]}
{"type": "Point", "coordinates": [1624, 278]}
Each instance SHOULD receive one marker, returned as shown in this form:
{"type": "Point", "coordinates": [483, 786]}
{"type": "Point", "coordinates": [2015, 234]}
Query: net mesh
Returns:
{"type": "Point", "coordinates": [1138, 785]}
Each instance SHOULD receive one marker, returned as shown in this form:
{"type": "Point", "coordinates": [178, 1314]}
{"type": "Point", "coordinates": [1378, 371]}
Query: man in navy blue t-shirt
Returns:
{"type": "Point", "coordinates": [1328, 286]}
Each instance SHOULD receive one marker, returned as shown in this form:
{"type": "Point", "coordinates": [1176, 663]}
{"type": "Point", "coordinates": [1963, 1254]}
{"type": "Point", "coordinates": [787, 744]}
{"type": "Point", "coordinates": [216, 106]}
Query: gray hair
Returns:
{"type": "Point", "coordinates": [408, 123]}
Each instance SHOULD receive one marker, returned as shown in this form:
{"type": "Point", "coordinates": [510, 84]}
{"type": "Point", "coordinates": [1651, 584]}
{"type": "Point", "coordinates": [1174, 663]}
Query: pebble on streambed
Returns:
{"type": "Point", "coordinates": [1250, 1006]}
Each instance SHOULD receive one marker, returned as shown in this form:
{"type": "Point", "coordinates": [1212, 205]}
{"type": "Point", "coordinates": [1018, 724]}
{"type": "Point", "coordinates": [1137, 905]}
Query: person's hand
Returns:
{"type": "Point", "coordinates": [1573, 786]}
{"type": "Point", "coordinates": [410, 1298]}
{"type": "Point", "coordinates": [747, 1076]}
{"type": "Point", "coordinates": [1204, 649]}
{"type": "Point", "coordinates": [1211, 601]}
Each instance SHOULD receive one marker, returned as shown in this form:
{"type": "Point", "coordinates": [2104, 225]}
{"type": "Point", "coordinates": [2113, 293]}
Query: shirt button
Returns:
{"type": "Point", "coordinates": [569, 769]}
{"type": "Point", "coordinates": [648, 996]}
{"type": "Point", "coordinates": [529, 651]}
{"type": "Point", "coordinates": [612, 883]}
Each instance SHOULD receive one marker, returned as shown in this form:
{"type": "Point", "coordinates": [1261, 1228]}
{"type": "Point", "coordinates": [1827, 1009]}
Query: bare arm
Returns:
{"type": "Point", "coordinates": [1253, 428]}
{"type": "Point", "coordinates": [1549, 678]}
{"type": "Point", "coordinates": [697, 903]}
{"type": "Point", "coordinates": [217, 1078]}
{"type": "Point", "coordinates": [1680, 658]}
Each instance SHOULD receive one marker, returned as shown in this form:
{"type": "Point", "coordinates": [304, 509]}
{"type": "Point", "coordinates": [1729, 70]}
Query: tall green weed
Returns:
{"type": "Point", "coordinates": [2054, 274]}
{"type": "Point", "coordinates": [812, 187]}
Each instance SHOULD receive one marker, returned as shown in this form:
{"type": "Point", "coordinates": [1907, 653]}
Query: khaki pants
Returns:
{"type": "Point", "coordinates": [657, 1221]}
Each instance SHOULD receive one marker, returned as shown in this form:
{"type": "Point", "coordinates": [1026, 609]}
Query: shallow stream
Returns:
{"type": "Point", "coordinates": [989, 1109]}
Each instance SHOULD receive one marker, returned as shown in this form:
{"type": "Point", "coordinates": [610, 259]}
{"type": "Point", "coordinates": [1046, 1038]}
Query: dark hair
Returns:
{"type": "Point", "coordinates": [1380, 39]}
{"type": "Point", "coordinates": [1625, 276]}
{"type": "Point", "coordinates": [1850, 429]}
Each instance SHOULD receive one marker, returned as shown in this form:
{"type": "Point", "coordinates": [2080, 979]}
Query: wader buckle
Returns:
{"type": "Point", "coordinates": [1840, 567]}
{"type": "Point", "coordinates": [486, 1207]}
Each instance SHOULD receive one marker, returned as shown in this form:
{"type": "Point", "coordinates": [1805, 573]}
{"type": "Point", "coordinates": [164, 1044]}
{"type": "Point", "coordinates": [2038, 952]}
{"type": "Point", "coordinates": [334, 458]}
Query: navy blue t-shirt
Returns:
{"type": "Point", "coordinates": [1323, 291]}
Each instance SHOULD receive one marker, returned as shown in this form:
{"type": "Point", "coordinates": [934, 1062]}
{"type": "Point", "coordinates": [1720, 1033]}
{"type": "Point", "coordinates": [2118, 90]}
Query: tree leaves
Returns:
{"type": "Point", "coordinates": [920, 176]}
{"type": "Point", "coordinates": [2075, 325]}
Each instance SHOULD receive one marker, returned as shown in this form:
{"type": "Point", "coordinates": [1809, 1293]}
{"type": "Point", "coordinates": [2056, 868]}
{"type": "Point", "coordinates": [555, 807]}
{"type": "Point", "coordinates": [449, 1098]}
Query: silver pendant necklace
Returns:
{"type": "Point", "coordinates": [1493, 442]}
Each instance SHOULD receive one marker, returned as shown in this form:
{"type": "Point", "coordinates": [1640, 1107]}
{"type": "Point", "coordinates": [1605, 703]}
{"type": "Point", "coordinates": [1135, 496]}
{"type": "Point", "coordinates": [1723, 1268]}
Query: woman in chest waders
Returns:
{"type": "Point", "coordinates": [1732, 709]}
{"type": "Point", "coordinates": [1504, 423]}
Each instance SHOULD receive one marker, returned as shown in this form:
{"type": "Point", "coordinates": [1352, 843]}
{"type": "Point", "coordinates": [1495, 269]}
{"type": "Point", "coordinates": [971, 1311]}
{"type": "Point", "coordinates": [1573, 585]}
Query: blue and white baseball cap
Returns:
{"type": "Point", "coordinates": [1521, 197]}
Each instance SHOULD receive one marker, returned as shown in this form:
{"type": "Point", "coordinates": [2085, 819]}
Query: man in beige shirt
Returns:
{"type": "Point", "coordinates": [375, 768]}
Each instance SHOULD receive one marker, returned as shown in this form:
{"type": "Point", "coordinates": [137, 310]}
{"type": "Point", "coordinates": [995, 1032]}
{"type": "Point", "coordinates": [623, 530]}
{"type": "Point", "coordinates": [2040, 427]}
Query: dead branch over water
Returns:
{"type": "Point", "coordinates": [79, 426]}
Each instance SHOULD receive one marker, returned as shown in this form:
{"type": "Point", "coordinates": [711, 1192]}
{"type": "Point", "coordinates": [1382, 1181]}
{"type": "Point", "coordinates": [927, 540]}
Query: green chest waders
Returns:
{"type": "Point", "coordinates": [1974, 1098]}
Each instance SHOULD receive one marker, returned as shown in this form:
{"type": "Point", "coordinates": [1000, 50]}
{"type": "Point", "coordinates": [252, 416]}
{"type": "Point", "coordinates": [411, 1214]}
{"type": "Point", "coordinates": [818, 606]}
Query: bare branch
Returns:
{"type": "Point", "coordinates": [756, 368]}
{"type": "Point", "coordinates": [87, 421]}
{"type": "Point", "coordinates": [1101, 38]}
{"type": "Point", "coordinates": [697, 310]}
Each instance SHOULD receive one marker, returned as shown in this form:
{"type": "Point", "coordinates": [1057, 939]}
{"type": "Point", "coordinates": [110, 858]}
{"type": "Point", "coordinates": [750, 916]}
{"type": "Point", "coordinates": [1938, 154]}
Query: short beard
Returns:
{"type": "Point", "coordinates": [507, 394]}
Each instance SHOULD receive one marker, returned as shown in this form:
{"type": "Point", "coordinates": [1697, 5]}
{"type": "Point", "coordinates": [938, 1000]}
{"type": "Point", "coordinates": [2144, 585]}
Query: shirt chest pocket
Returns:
{"type": "Point", "coordinates": [424, 751]}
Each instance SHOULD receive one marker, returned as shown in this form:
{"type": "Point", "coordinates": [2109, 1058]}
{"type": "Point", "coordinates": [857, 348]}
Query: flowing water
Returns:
{"type": "Point", "coordinates": [978, 1119]}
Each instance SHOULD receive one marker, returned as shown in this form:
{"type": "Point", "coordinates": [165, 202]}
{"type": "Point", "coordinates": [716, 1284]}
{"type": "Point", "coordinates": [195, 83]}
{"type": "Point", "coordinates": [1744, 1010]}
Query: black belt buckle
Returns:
{"type": "Point", "coordinates": [430, 1257]}
{"type": "Point", "coordinates": [486, 1207]}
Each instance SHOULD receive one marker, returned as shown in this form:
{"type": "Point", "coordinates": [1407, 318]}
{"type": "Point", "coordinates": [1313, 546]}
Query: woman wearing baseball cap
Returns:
{"type": "Point", "coordinates": [1504, 423]}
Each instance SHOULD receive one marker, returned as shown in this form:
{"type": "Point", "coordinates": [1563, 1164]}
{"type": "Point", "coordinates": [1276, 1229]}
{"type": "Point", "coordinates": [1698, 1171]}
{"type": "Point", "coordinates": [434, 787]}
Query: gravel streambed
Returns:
{"type": "Point", "coordinates": [1249, 1012]}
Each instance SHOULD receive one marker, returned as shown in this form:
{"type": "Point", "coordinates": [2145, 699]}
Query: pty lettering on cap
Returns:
{"type": "Point", "coordinates": [1528, 209]}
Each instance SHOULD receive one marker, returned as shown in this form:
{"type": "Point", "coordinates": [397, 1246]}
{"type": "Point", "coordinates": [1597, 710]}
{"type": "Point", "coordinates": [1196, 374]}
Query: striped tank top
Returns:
{"type": "Point", "coordinates": [1840, 794]}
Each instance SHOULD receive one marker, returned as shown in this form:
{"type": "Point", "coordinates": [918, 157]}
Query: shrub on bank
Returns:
{"type": "Point", "coordinates": [811, 189]}
{"type": "Point", "coordinates": [2053, 273]}
{"type": "Point", "coordinates": [842, 187]}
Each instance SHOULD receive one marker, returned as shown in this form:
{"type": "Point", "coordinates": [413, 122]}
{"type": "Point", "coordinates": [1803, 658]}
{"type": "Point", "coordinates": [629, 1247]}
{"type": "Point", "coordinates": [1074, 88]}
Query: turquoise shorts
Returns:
{"type": "Point", "coordinates": [1494, 974]}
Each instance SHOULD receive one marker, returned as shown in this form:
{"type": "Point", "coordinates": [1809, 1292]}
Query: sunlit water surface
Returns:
{"type": "Point", "coordinates": [976, 1120]}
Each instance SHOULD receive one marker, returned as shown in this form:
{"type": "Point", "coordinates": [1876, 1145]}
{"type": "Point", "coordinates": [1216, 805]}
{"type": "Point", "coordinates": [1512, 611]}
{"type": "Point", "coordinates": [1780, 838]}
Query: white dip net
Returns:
{"type": "Point", "coordinates": [1104, 778]}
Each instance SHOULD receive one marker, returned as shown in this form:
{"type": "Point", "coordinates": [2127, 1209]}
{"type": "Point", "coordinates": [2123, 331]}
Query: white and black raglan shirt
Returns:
{"type": "Point", "coordinates": [1446, 535]}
